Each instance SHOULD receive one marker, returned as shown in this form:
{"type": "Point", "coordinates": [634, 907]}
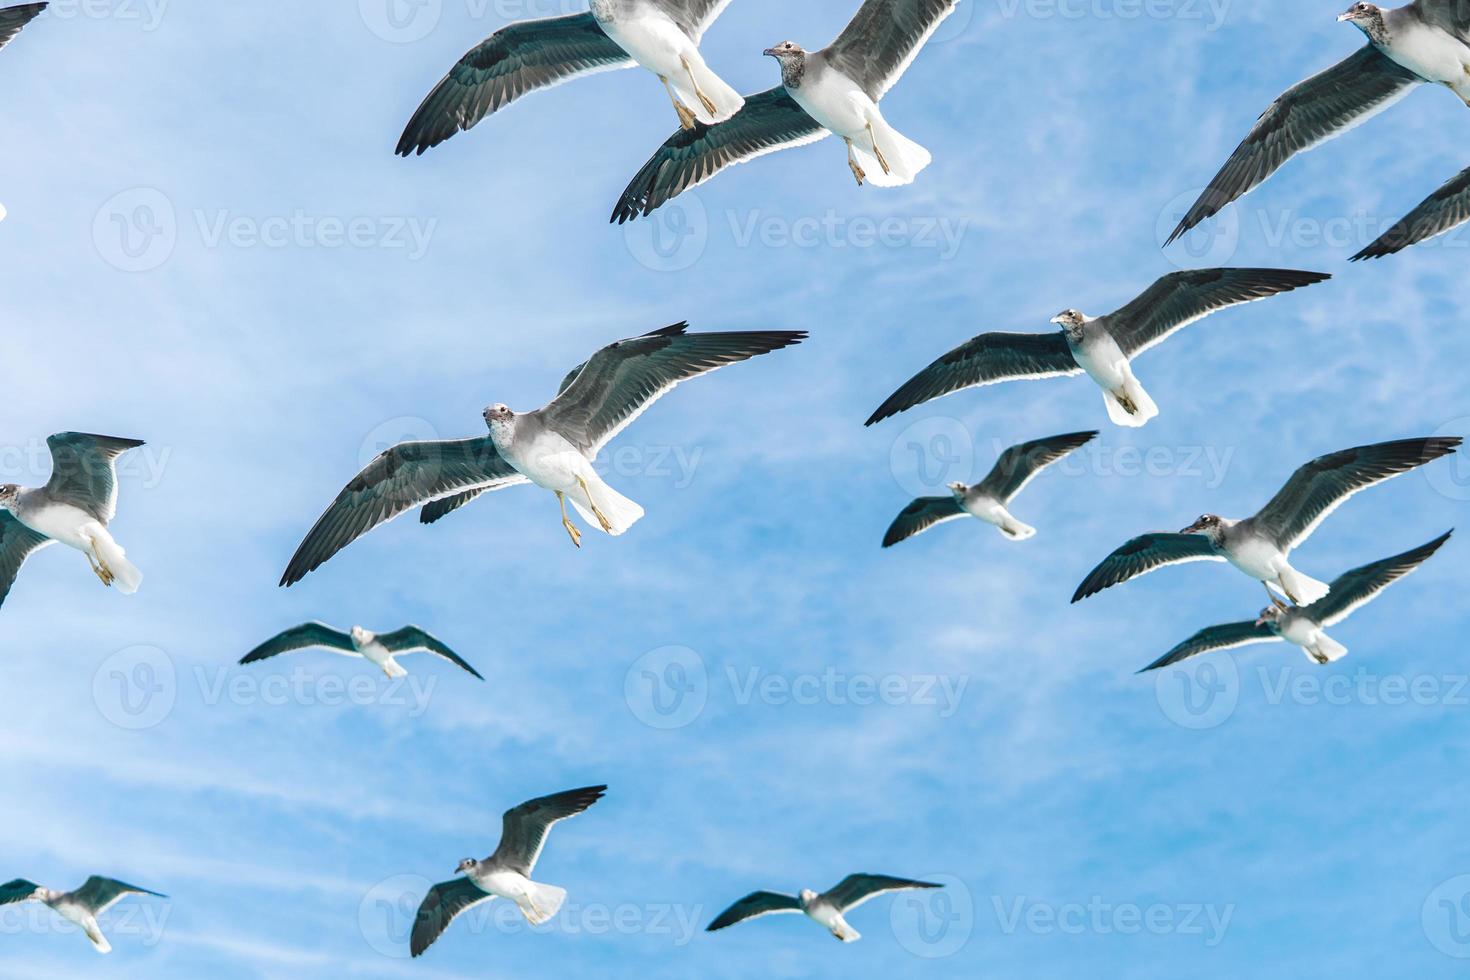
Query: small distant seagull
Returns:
{"type": "Point", "coordinates": [12, 19]}
{"type": "Point", "coordinates": [988, 499]}
{"type": "Point", "coordinates": [835, 90]}
{"type": "Point", "coordinates": [1305, 626]}
{"type": "Point", "coordinates": [661, 35]}
{"type": "Point", "coordinates": [552, 447]}
{"type": "Point", "coordinates": [507, 872]}
{"type": "Point", "coordinates": [1446, 208]}
{"type": "Point", "coordinates": [379, 649]}
{"type": "Point", "coordinates": [74, 507]}
{"type": "Point", "coordinates": [826, 909]}
{"type": "Point", "coordinates": [80, 907]}
{"type": "Point", "coordinates": [1426, 41]}
{"type": "Point", "coordinates": [1259, 546]}
{"type": "Point", "coordinates": [1104, 347]}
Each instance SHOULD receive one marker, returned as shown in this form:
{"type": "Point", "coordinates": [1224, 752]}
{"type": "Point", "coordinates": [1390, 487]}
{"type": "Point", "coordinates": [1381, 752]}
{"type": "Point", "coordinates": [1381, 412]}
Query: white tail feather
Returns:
{"type": "Point", "coordinates": [845, 932]}
{"type": "Point", "coordinates": [110, 554]}
{"type": "Point", "coordinates": [394, 669]}
{"type": "Point", "coordinates": [1017, 531]}
{"type": "Point", "coordinates": [1144, 408]}
{"type": "Point", "coordinates": [1326, 648]}
{"type": "Point", "coordinates": [620, 512]}
{"type": "Point", "coordinates": [726, 100]}
{"type": "Point", "coordinates": [541, 902]}
{"type": "Point", "coordinates": [99, 941]}
{"type": "Point", "coordinates": [1303, 588]}
{"type": "Point", "coordinates": [904, 157]}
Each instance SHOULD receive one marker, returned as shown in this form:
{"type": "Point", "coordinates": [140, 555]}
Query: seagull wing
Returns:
{"type": "Point", "coordinates": [444, 901]}
{"type": "Point", "coordinates": [1444, 209]}
{"type": "Point", "coordinates": [1356, 588]}
{"type": "Point", "coordinates": [406, 476]}
{"type": "Point", "coordinates": [1451, 15]}
{"type": "Point", "coordinates": [620, 382]}
{"type": "Point", "coordinates": [16, 544]}
{"type": "Point", "coordinates": [984, 360]}
{"type": "Point", "coordinates": [1215, 638]}
{"type": "Point", "coordinates": [524, 828]}
{"type": "Point", "coordinates": [18, 890]}
{"type": "Point", "coordinates": [883, 39]}
{"type": "Point", "coordinates": [83, 471]}
{"type": "Point", "coordinates": [300, 638]}
{"type": "Point", "coordinates": [854, 890]}
{"type": "Point", "coordinates": [694, 17]}
{"type": "Point", "coordinates": [753, 906]}
{"type": "Point", "coordinates": [1144, 554]}
{"type": "Point", "coordinates": [516, 59]}
{"type": "Point", "coordinates": [1019, 465]}
{"type": "Point", "coordinates": [1181, 298]}
{"type": "Point", "coordinates": [411, 638]}
{"type": "Point", "coordinates": [1321, 486]}
{"type": "Point", "coordinates": [1310, 113]}
{"type": "Point", "coordinates": [438, 509]}
{"type": "Point", "coordinates": [920, 516]}
{"type": "Point", "coordinates": [12, 19]}
{"type": "Point", "coordinates": [768, 122]}
{"type": "Point", "coordinates": [99, 894]}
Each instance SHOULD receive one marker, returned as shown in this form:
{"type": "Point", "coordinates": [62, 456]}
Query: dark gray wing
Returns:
{"type": "Point", "coordinates": [1019, 465]}
{"type": "Point", "coordinates": [411, 638]}
{"type": "Point", "coordinates": [1214, 638]}
{"type": "Point", "coordinates": [876, 48]}
{"type": "Point", "coordinates": [768, 122]}
{"type": "Point", "coordinates": [1321, 486]}
{"type": "Point", "coordinates": [524, 828]}
{"type": "Point", "coordinates": [12, 19]}
{"type": "Point", "coordinates": [1353, 589]}
{"type": "Point", "coordinates": [301, 637]}
{"type": "Point", "coordinates": [83, 471]}
{"type": "Point", "coordinates": [694, 17]}
{"type": "Point", "coordinates": [406, 476]}
{"type": "Point", "coordinates": [444, 901]}
{"type": "Point", "coordinates": [18, 890]}
{"type": "Point", "coordinates": [16, 544]}
{"type": "Point", "coordinates": [1144, 554]}
{"type": "Point", "coordinates": [437, 509]}
{"type": "Point", "coordinates": [984, 360]}
{"type": "Point", "coordinates": [854, 890]}
{"type": "Point", "coordinates": [1181, 298]}
{"type": "Point", "coordinates": [752, 906]}
{"type": "Point", "coordinates": [620, 382]}
{"type": "Point", "coordinates": [1452, 15]}
{"type": "Point", "coordinates": [514, 60]}
{"type": "Point", "coordinates": [1444, 209]}
{"type": "Point", "coordinates": [920, 516]}
{"type": "Point", "coordinates": [99, 894]}
{"type": "Point", "coordinates": [1307, 114]}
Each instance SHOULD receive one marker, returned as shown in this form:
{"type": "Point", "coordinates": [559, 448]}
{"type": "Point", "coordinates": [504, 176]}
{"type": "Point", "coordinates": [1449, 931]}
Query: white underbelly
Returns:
{"type": "Point", "coordinates": [837, 103]}
{"type": "Point", "coordinates": [826, 915]}
{"type": "Point", "coordinates": [1302, 632]}
{"type": "Point", "coordinates": [551, 463]}
{"type": "Point", "coordinates": [1431, 53]}
{"type": "Point", "coordinates": [987, 510]}
{"type": "Point", "coordinates": [503, 884]}
{"type": "Point", "coordinates": [652, 40]}
{"type": "Point", "coordinates": [375, 653]}
{"type": "Point", "coordinates": [1104, 362]}
{"type": "Point", "coordinates": [62, 522]}
{"type": "Point", "coordinates": [1259, 560]}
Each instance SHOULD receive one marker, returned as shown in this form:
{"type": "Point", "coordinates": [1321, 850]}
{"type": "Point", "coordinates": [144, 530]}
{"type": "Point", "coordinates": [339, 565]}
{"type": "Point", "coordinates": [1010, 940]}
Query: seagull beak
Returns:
{"type": "Point", "coordinates": [1057, 320]}
{"type": "Point", "coordinates": [1348, 15]}
{"type": "Point", "coordinates": [769, 52]}
{"type": "Point", "coordinates": [1196, 526]}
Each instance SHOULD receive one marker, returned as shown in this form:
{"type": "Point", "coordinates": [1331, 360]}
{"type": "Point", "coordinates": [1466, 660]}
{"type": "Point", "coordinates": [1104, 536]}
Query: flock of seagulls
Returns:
{"type": "Point", "coordinates": [836, 90]}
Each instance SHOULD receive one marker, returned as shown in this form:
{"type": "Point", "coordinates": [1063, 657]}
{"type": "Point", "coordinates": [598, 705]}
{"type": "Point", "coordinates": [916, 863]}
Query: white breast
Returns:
{"type": "Point", "coordinates": [63, 522]}
{"type": "Point", "coordinates": [835, 101]}
{"type": "Point", "coordinates": [1103, 360]}
{"type": "Point", "coordinates": [1431, 53]}
{"type": "Point", "coordinates": [651, 39]}
{"type": "Point", "coordinates": [1257, 558]}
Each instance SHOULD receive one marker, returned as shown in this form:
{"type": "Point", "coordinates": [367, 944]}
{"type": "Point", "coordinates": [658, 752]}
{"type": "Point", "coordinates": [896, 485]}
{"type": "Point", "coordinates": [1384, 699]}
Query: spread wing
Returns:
{"type": "Point", "coordinates": [1452, 15]}
{"type": "Point", "coordinates": [753, 906]}
{"type": "Point", "coordinates": [883, 39]}
{"type": "Point", "coordinates": [620, 382]}
{"type": "Point", "coordinates": [694, 17]}
{"type": "Point", "coordinates": [100, 894]}
{"type": "Point", "coordinates": [12, 19]}
{"type": "Point", "coordinates": [444, 901]}
{"type": "Point", "coordinates": [1142, 555]}
{"type": "Point", "coordinates": [1324, 484]}
{"type": "Point", "coordinates": [411, 638]}
{"type": "Point", "coordinates": [984, 360]}
{"type": "Point", "coordinates": [854, 890]}
{"type": "Point", "coordinates": [920, 516]}
{"type": "Point", "coordinates": [1214, 638]}
{"type": "Point", "coordinates": [300, 638]}
{"type": "Point", "coordinates": [437, 509]}
{"type": "Point", "coordinates": [1019, 465]}
{"type": "Point", "coordinates": [1309, 113]}
{"type": "Point", "coordinates": [768, 122]}
{"type": "Point", "coordinates": [524, 828]}
{"type": "Point", "coordinates": [83, 471]}
{"type": "Point", "coordinates": [1356, 588]}
{"type": "Point", "coordinates": [516, 59]}
{"type": "Point", "coordinates": [1181, 298]}
{"type": "Point", "coordinates": [406, 476]}
{"type": "Point", "coordinates": [18, 890]}
{"type": "Point", "coordinates": [16, 544]}
{"type": "Point", "coordinates": [1446, 208]}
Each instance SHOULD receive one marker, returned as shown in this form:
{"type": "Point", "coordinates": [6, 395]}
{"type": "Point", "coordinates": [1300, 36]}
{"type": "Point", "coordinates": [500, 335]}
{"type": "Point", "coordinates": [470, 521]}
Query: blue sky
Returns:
{"type": "Point", "coordinates": [209, 245]}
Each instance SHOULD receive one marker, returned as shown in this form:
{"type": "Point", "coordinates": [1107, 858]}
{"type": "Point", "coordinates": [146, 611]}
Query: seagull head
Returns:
{"type": "Point", "coordinates": [360, 636]}
{"type": "Point", "coordinates": [1367, 17]}
{"type": "Point", "coordinates": [466, 866]}
{"type": "Point", "coordinates": [959, 487]}
{"type": "Point", "coordinates": [498, 414]}
{"type": "Point", "coordinates": [1270, 615]}
{"type": "Point", "coordinates": [1207, 524]}
{"type": "Point", "coordinates": [1071, 321]}
{"type": "Point", "coordinates": [786, 51]}
{"type": "Point", "coordinates": [807, 896]}
{"type": "Point", "coordinates": [9, 492]}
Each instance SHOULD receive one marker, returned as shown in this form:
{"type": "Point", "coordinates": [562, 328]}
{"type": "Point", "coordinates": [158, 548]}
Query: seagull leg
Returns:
{"type": "Point", "coordinates": [601, 519]}
{"type": "Point", "coordinates": [873, 138]}
{"type": "Point", "coordinates": [98, 565]}
{"type": "Point", "coordinates": [566, 521]}
{"type": "Point", "coordinates": [709, 106]}
{"type": "Point", "coordinates": [857, 171]}
{"type": "Point", "coordinates": [1275, 599]}
{"type": "Point", "coordinates": [686, 118]}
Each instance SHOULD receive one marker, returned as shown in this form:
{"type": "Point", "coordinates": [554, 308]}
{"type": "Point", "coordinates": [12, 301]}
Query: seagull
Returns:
{"type": "Point", "coordinates": [1103, 347]}
{"type": "Point", "coordinates": [1446, 208]}
{"type": "Point", "coordinates": [552, 447]}
{"type": "Point", "coordinates": [1306, 626]}
{"type": "Point", "coordinates": [507, 872]}
{"type": "Point", "coordinates": [835, 90]}
{"type": "Point", "coordinates": [661, 35]}
{"type": "Point", "coordinates": [74, 507]}
{"type": "Point", "coordinates": [826, 909]}
{"type": "Point", "coordinates": [80, 907]}
{"type": "Point", "coordinates": [1426, 41]}
{"type": "Point", "coordinates": [1259, 546]}
{"type": "Point", "coordinates": [376, 648]}
{"type": "Point", "coordinates": [988, 499]}
{"type": "Point", "coordinates": [12, 19]}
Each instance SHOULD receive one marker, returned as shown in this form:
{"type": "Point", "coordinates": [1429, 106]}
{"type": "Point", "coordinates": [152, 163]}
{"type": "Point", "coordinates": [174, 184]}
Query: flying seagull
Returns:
{"type": "Point", "coordinates": [552, 447]}
{"type": "Point", "coordinates": [1426, 41]}
{"type": "Point", "coordinates": [826, 909]}
{"type": "Point", "coordinates": [74, 507]}
{"type": "Point", "coordinates": [1259, 546]}
{"type": "Point", "coordinates": [1446, 208]}
{"type": "Point", "coordinates": [988, 499]}
{"type": "Point", "coordinates": [834, 90]}
{"type": "Point", "coordinates": [507, 872]}
{"type": "Point", "coordinates": [80, 907]}
{"type": "Point", "coordinates": [1103, 347]}
{"type": "Point", "coordinates": [1306, 626]}
{"type": "Point", "coordinates": [379, 649]}
{"type": "Point", "coordinates": [661, 35]}
{"type": "Point", "coordinates": [12, 19]}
